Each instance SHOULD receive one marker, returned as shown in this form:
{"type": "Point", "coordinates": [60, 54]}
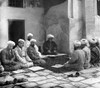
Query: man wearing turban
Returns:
{"type": "Point", "coordinates": [21, 54]}
{"type": "Point", "coordinates": [49, 46]}
{"type": "Point", "coordinates": [95, 52]}
{"type": "Point", "coordinates": [8, 58]}
{"type": "Point", "coordinates": [86, 48]}
{"type": "Point", "coordinates": [77, 60]}
{"type": "Point", "coordinates": [33, 54]}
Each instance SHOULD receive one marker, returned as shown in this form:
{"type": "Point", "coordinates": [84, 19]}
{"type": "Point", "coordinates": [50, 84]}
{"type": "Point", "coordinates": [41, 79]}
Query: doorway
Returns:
{"type": "Point", "coordinates": [16, 30]}
{"type": "Point", "coordinates": [98, 7]}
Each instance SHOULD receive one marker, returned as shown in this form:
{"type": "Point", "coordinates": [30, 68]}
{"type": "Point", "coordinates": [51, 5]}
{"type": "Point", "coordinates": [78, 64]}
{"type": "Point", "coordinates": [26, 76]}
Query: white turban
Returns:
{"type": "Point", "coordinates": [50, 36]}
{"type": "Point", "coordinates": [20, 40]}
{"type": "Point", "coordinates": [84, 41]}
{"type": "Point", "coordinates": [77, 43]}
{"type": "Point", "coordinates": [33, 40]}
{"type": "Point", "coordinates": [29, 34]}
{"type": "Point", "coordinates": [93, 41]}
{"type": "Point", "coordinates": [11, 43]}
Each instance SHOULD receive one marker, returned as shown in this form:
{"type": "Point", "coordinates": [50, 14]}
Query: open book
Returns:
{"type": "Point", "coordinates": [36, 68]}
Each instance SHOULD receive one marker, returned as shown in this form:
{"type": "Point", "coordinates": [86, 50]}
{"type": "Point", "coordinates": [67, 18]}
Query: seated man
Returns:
{"type": "Point", "coordinates": [77, 60]}
{"type": "Point", "coordinates": [49, 46]}
{"type": "Point", "coordinates": [21, 54]}
{"type": "Point", "coordinates": [32, 53]}
{"type": "Point", "coordinates": [29, 37]}
{"type": "Point", "coordinates": [85, 47]}
{"type": "Point", "coordinates": [95, 52]}
{"type": "Point", "coordinates": [8, 58]}
{"type": "Point", "coordinates": [27, 42]}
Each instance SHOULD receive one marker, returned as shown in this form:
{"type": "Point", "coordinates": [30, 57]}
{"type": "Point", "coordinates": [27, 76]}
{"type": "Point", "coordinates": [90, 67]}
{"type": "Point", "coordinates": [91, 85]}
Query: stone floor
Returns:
{"type": "Point", "coordinates": [38, 77]}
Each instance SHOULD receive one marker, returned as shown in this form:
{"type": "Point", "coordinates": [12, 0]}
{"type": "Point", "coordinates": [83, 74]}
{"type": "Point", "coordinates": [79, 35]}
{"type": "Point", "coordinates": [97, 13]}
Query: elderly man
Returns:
{"type": "Point", "coordinates": [29, 37]}
{"type": "Point", "coordinates": [1, 67]}
{"type": "Point", "coordinates": [95, 52]}
{"type": "Point", "coordinates": [49, 46]}
{"type": "Point", "coordinates": [27, 43]}
{"type": "Point", "coordinates": [33, 54]}
{"type": "Point", "coordinates": [8, 58]}
{"type": "Point", "coordinates": [21, 54]}
{"type": "Point", "coordinates": [86, 49]}
{"type": "Point", "coordinates": [77, 60]}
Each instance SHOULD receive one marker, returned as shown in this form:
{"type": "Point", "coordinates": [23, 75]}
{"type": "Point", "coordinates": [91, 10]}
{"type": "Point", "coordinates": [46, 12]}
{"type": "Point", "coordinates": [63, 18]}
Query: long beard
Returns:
{"type": "Point", "coordinates": [32, 45]}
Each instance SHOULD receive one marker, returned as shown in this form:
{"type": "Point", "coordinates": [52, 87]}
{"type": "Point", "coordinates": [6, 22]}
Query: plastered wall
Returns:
{"type": "Point", "coordinates": [32, 17]}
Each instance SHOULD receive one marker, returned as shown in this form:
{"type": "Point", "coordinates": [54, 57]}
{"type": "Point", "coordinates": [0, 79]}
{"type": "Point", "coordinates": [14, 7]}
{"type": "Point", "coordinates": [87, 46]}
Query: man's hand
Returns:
{"type": "Point", "coordinates": [66, 63]}
{"type": "Point", "coordinates": [49, 51]}
{"type": "Point", "coordinates": [1, 68]}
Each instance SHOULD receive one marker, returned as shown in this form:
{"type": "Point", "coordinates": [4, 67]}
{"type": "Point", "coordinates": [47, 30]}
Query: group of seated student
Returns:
{"type": "Point", "coordinates": [25, 54]}
{"type": "Point", "coordinates": [86, 54]}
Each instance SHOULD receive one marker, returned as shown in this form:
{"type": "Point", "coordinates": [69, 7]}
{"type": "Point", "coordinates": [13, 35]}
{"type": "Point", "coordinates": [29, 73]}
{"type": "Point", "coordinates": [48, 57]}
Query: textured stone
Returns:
{"type": "Point", "coordinates": [29, 85]}
{"type": "Point", "coordinates": [42, 82]}
{"type": "Point", "coordinates": [59, 78]}
{"type": "Point", "coordinates": [91, 70]}
{"type": "Point", "coordinates": [37, 78]}
{"type": "Point", "coordinates": [79, 85]}
{"type": "Point", "coordinates": [19, 76]}
{"type": "Point", "coordinates": [16, 87]}
{"type": "Point", "coordinates": [67, 86]}
{"type": "Point", "coordinates": [89, 87]}
{"type": "Point", "coordinates": [96, 85]}
{"type": "Point", "coordinates": [76, 78]}
{"type": "Point", "coordinates": [51, 80]}
{"type": "Point", "coordinates": [57, 74]}
{"type": "Point", "coordinates": [31, 74]}
{"type": "Point", "coordinates": [42, 73]}
{"type": "Point", "coordinates": [8, 86]}
{"type": "Point", "coordinates": [50, 76]}
{"type": "Point", "coordinates": [48, 85]}
{"type": "Point", "coordinates": [60, 82]}
{"type": "Point", "coordinates": [87, 75]}
{"type": "Point", "coordinates": [47, 71]}
{"type": "Point", "coordinates": [91, 80]}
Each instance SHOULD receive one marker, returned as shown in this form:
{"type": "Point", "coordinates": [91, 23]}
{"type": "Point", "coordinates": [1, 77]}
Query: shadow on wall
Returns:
{"type": "Point", "coordinates": [56, 22]}
{"type": "Point", "coordinates": [49, 3]}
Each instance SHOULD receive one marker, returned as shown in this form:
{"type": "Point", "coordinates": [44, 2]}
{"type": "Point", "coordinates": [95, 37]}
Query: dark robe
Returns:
{"type": "Point", "coordinates": [49, 46]}
{"type": "Point", "coordinates": [34, 56]}
{"type": "Point", "coordinates": [95, 55]}
{"type": "Point", "coordinates": [8, 60]}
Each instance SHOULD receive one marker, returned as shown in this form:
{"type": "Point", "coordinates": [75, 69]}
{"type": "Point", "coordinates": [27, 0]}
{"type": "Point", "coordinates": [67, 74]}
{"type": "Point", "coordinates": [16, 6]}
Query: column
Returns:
{"type": "Point", "coordinates": [76, 23]}
{"type": "Point", "coordinates": [90, 17]}
{"type": "Point", "coordinates": [70, 8]}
